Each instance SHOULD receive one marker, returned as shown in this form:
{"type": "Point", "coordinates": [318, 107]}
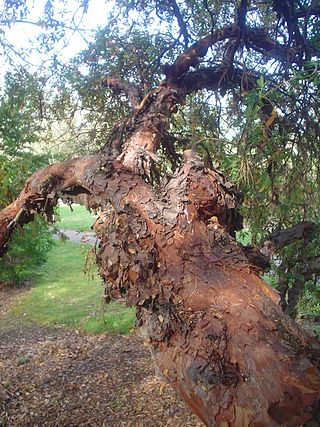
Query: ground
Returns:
{"type": "Point", "coordinates": [60, 377]}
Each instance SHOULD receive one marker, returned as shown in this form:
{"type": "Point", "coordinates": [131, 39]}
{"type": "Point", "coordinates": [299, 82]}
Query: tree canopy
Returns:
{"type": "Point", "coordinates": [250, 72]}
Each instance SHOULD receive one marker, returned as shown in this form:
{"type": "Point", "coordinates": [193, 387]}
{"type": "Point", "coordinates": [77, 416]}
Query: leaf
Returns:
{"type": "Point", "coordinates": [261, 82]}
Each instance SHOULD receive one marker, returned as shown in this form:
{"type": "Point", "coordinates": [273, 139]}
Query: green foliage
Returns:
{"type": "Point", "coordinates": [52, 21]}
{"type": "Point", "coordinates": [29, 245]}
{"type": "Point", "coordinates": [21, 111]}
{"type": "Point", "coordinates": [21, 107]}
{"type": "Point", "coordinates": [244, 237]}
{"type": "Point", "coordinates": [14, 171]}
{"type": "Point", "coordinates": [28, 251]}
{"type": "Point", "coordinates": [63, 296]}
{"type": "Point", "coordinates": [310, 301]}
{"type": "Point", "coordinates": [133, 55]}
{"type": "Point", "coordinates": [19, 127]}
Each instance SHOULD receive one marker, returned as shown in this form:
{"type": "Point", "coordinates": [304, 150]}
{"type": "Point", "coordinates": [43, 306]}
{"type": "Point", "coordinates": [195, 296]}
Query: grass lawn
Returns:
{"type": "Point", "coordinates": [64, 296]}
{"type": "Point", "coordinates": [79, 219]}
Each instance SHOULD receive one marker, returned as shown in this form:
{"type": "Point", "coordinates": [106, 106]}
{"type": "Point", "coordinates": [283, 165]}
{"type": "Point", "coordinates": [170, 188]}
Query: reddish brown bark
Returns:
{"type": "Point", "coordinates": [215, 329]}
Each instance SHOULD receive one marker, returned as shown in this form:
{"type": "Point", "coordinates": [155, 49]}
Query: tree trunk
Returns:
{"type": "Point", "coordinates": [215, 329]}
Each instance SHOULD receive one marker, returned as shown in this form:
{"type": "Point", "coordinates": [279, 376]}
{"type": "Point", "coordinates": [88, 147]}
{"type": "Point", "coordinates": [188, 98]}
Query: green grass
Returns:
{"type": "Point", "coordinates": [64, 296]}
{"type": "Point", "coordinates": [78, 219]}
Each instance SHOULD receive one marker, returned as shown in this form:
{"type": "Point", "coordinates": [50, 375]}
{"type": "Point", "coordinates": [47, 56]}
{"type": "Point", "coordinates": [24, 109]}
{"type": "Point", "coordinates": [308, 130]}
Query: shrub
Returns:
{"type": "Point", "coordinates": [27, 252]}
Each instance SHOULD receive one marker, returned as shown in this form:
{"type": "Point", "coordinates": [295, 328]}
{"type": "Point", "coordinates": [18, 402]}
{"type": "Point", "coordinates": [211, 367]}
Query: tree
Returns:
{"type": "Point", "coordinates": [20, 129]}
{"type": "Point", "coordinates": [215, 328]}
{"type": "Point", "coordinates": [272, 152]}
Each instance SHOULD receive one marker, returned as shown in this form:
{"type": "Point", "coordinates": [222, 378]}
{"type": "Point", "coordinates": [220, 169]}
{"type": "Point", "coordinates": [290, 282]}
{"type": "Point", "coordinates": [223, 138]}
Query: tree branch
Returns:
{"type": "Point", "coordinates": [281, 238]}
{"type": "Point", "coordinates": [190, 57]}
{"type": "Point", "coordinates": [256, 39]}
{"type": "Point", "coordinates": [93, 181]}
{"type": "Point", "coordinates": [117, 86]}
{"type": "Point", "coordinates": [260, 255]}
{"type": "Point", "coordinates": [69, 180]}
{"type": "Point", "coordinates": [181, 23]}
{"type": "Point", "coordinates": [222, 77]}
{"type": "Point", "coordinates": [241, 17]}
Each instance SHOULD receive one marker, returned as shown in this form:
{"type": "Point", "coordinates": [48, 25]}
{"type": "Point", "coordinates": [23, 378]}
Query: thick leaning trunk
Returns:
{"type": "Point", "coordinates": [215, 329]}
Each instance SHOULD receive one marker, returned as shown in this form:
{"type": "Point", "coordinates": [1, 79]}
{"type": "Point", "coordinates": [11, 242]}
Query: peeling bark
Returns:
{"type": "Point", "coordinates": [215, 329]}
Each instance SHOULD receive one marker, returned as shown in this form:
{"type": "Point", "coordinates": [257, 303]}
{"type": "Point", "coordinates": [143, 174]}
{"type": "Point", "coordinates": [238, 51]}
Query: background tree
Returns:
{"type": "Point", "coordinates": [20, 130]}
{"type": "Point", "coordinates": [167, 228]}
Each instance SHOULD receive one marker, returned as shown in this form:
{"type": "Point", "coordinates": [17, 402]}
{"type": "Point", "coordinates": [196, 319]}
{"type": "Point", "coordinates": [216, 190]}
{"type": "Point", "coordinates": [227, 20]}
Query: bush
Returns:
{"type": "Point", "coordinates": [28, 251]}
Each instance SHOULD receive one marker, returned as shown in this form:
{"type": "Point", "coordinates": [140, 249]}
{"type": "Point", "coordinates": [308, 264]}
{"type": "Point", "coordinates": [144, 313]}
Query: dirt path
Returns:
{"type": "Point", "coordinates": [58, 377]}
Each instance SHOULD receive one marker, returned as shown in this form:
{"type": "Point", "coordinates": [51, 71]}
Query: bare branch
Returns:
{"type": "Point", "coordinates": [256, 39]}
{"type": "Point", "coordinates": [259, 40]}
{"type": "Point", "coordinates": [190, 57]}
{"type": "Point", "coordinates": [260, 255]}
{"type": "Point", "coordinates": [117, 86]}
{"type": "Point", "coordinates": [222, 77]}
{"type": "Point", "coordinates": [281, 238]}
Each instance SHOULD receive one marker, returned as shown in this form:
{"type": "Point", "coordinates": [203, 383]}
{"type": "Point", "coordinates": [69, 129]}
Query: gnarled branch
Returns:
{"type": "Point", "coordinates": [69, 180]}
{"type": "Point", "coordinates": [260, 255]}
{"type": "Point", "coordinates": [281, 238]}
{"type": "Point", "coordinates": [119, 86]}
{"type": "Point", "coordinates": [190, 57]}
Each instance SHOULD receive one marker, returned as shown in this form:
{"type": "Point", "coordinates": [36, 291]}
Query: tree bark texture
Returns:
{"type": "Point", "coordinates": [215, 329]}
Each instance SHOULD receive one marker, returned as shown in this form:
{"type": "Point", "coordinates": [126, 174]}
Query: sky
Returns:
{"type": "Point", "coordinates": [24, 35]}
